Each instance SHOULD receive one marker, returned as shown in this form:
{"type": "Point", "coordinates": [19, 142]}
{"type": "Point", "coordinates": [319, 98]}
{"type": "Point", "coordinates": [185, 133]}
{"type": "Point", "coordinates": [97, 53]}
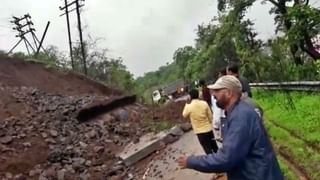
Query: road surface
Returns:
{"type": "Point", "coordinates": [165, 165]}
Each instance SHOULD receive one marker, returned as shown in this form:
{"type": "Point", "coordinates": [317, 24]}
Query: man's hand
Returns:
{"type": "Point", "coordinates": [182, 161]}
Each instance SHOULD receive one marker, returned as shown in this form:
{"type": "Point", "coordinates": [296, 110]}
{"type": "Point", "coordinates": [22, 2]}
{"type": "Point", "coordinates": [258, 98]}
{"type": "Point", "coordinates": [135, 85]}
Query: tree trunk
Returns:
{"type": "Point", "coordinates": [297, 59]}
{"type": "Point", "coordinates": [308, 47]}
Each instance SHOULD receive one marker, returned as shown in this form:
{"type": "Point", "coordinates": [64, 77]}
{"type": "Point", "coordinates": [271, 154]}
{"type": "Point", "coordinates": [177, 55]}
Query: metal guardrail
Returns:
{"type": "Point", "coordinates": [289, 86]}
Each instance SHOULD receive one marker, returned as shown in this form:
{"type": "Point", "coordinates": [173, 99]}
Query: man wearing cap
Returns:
{"type": "Point", "coordinates": [247, 152]}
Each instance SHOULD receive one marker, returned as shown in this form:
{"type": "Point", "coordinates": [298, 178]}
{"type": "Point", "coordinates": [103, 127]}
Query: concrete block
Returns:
{"type": "Point", "coordinates": [186, 126]}
{"type": "Point", "coordinates": [148, 143]}
{"type": "Point", "coordinates": [176, 131]}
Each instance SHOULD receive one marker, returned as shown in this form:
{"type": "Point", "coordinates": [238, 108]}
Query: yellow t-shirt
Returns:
{"type": "Point", "coordinates": [200, 115]}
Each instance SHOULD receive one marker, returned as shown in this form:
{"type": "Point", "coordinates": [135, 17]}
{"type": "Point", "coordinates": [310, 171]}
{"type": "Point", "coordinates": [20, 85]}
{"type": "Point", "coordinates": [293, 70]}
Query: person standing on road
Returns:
{"type": "Point", "coordinates": [247, 152]}
{"type": "Point", "coordinates": [233, 69]}
{"type": "Point", "coordinates": [218, 113]}
{"type": "Point", "coordinates": [200, 115]}
{"type": "Point", "coordinates": [204, 92]}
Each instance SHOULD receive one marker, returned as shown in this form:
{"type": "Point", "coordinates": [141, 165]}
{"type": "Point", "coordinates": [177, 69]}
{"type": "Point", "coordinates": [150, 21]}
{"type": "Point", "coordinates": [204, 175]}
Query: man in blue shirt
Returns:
{"type": "Point", "coordinates": [246, 152]}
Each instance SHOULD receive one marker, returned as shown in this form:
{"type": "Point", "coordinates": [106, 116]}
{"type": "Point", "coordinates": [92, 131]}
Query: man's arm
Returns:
{"type": "Point", "coordinates": [236, 146]}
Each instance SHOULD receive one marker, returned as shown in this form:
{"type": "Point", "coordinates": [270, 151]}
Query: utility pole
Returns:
{"type": "Point", "coordinates": [23, 30]}
{"type": "Point", "coordinates": [43, 36]}
{"type": "Point", "coordinates": [69, 33]}
{"type": "Point", "coordinates": [81, 41]}
{"type": "Point", "coordinates": [67, 11]}
{"type": "Point", "coordinates": [30, 23]}
{"type": "Point", "coordinates": [36, 41]}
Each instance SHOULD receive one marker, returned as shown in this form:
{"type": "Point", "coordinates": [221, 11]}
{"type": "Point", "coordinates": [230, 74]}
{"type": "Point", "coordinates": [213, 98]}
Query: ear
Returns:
{"type": "Point", "coordinates": [229, 93]}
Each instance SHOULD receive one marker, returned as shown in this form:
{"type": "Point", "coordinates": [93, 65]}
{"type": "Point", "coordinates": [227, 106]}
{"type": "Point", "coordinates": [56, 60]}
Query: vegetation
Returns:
{"type": "Point", "coordinates": [293, 55]}
{"type": "Point", "coordinates": [286, 171]}
{"type": "Point", "coordinates": [110, 71]}
{"type": "Point", "coordinates": [293, 122]}
{"type": "Point", "coordinates": [159, 126]}
{"type": "Point", "coordinates": [299, 113]}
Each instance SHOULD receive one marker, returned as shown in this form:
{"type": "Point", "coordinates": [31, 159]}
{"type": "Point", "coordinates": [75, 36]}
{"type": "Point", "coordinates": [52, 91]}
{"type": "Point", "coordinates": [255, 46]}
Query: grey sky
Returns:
{"type": "Point", "coordinates": [144, 32]}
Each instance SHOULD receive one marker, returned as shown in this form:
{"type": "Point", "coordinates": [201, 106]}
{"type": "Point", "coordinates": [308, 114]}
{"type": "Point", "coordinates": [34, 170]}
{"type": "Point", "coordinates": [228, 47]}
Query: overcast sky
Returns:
{"type": "Point", "coordinates": [144, 32]}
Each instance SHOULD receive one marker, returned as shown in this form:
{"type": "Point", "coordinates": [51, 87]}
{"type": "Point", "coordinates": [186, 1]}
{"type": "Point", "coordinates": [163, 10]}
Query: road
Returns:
{"type": "Point", "coordinates": [165, 166]}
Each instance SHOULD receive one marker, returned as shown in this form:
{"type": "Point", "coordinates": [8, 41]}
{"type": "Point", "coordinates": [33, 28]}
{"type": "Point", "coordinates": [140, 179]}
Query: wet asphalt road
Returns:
{"type": "Point", "coordinates": [165, 165]}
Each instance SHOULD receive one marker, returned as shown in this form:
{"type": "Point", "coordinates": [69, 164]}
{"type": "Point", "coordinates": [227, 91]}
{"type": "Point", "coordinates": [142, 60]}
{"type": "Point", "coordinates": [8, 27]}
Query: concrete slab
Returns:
{"type": "Point", "coordinates": [148, 143]}
{"type": "Point", "coordinates": [176, 131]}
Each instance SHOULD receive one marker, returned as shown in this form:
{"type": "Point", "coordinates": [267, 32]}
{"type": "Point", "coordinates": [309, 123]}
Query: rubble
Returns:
{"type": "Point", "coordinates": [6, 139]}
{"type": "Point", "coordinates": [76, 147]}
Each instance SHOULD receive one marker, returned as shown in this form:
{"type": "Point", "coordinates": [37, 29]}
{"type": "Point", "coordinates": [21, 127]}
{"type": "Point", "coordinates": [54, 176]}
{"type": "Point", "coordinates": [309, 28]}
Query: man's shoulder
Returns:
{"type": "Point", "coordinates": [243, 105]}
{"type": "Point", "coordinates": [187, 105]}
{"type": "Point", "coordinates": [243, 110]}
{"type": "Point", "coordinates": [198, 101]}
{"type": "Point", "coordinates": [195, 103]}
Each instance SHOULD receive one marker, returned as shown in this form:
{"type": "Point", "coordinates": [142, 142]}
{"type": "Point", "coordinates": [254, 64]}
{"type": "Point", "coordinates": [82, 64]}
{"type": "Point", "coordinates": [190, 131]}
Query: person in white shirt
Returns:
{"type": "Point", "coordinates": [218, 113]}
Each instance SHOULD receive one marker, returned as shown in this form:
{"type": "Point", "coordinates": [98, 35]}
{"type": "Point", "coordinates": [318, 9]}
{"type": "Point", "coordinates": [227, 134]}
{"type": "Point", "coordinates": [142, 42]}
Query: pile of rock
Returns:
{"type": "Point", "coordinates": [74, 150]}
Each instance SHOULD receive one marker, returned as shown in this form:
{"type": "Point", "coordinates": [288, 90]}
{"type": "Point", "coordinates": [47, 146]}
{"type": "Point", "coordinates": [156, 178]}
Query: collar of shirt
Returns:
{"type": "Point", "coordinates": [231, 108]}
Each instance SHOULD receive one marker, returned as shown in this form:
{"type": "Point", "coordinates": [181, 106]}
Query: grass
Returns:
{"type": "Point", "coordinates": [47, 64]}
{"type": "Point", "coordinates": [302, 116]}
{"type": "Point", "coordinates": [299, 114]}
{"type": "Point", "coordinates": [160, 126]}
{"type": "Point", "coordinates": [288, 174]}
{"type": "Point", "coordinates": [302, 154]}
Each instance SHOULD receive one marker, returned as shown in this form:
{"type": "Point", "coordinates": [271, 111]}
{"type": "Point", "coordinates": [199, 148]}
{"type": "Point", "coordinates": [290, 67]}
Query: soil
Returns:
{"type": "Point", "coordinates": [170, 112]}
{"type": "Point", "coordinates": [17, 72]}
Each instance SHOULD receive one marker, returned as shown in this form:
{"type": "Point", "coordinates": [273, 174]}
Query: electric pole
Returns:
{"type": "Point", "coordinates": [69, 33]}
{"type": "Point", "coordinates": [24, 26]}
{"type": "Point", "coordinates": [20, 28]}
{"type": "Point", "coordinates": [80, 34]}
{"type": "Point", "coordinates": [67, 11]}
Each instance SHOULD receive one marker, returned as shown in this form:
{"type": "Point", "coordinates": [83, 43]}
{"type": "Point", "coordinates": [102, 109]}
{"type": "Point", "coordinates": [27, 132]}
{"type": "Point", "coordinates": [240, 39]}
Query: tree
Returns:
{"type": "Point", "coordinates": [232, 39]}
{"type": "Point", "coordinates": [300, 22]}
{"type": "Point", "coordinates": [182, 56]}
{"type": "Point", "coordinates": [52, 56]}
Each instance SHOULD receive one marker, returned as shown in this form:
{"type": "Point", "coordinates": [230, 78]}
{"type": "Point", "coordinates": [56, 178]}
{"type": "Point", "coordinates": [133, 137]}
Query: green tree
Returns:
{"type": "Point", "coordinates": [286, 17]}
{"type": "Point", "coordinates": [181, 57]}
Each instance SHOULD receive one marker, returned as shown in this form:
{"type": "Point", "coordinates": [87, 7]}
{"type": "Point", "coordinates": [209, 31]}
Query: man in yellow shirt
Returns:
{"type": "Point", "coordinates": [200, 115]}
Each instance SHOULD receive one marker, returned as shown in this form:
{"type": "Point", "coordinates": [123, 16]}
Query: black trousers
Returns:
{"type": "Point", "coordinates": [208, 142]}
